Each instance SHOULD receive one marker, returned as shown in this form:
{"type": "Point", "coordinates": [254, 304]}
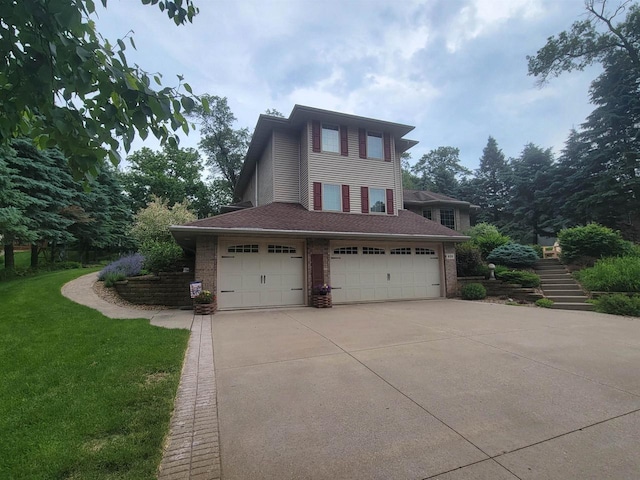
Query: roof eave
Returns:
{"type": "Point", "coordinates": [184, 229]}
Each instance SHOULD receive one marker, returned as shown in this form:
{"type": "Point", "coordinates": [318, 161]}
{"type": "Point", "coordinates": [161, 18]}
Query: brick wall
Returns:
{"type": "Point", "coordinates": [317, 246]}
{"type": "Point", "coordinates": [171, 289]}
{"type": "Point", "coordinates": [450, 271]}
{"type": "Point", "coordinates": [207, 262]}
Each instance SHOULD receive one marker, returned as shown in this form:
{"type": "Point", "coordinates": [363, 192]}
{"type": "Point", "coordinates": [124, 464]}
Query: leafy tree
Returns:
{"type": "Point", "coordinates": [224, 146]}
{"type": "Point", "coordinates": [65, 85]}
{"type": "Point", "coordinates": [273, 112]}
{"type": "Point", "coordinates": [438, 170]}
{"type": "Point", "coordinates": [152, 222]}
{"type": "Point", "coordinates": [409, 180]}
{"type": "Point", "coordinates": [173, 174]}
{"type": "Point", "coordinates": [591, 41]}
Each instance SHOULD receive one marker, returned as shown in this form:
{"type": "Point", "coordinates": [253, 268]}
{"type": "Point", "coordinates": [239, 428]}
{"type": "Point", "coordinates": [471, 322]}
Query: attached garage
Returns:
{"type": "Point", "coordinates": [384, 271]}
{"type": "Point", "coordinates": [260, 273]}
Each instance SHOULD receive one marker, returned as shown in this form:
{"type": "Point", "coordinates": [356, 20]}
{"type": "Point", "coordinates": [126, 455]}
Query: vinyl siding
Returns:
{"type": "Point", "coordinates": [286, 167]}
{"type": "Point", "coordinates": [354, 171]}
{"type": "Point", "coordinates": [250, 192]}
{"type": "Point", "coordinates": [265, 175]}
{"type": "Point", "coordinates": [304, 169]}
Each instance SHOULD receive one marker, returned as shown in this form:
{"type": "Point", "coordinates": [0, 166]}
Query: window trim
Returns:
{"type": "Point", "coordinates": [453, 217]}
{"type": "Point", "coordinates": [384, 200]}
{"type": "Point", "coordinates": [333, 128]}
{"type": "Point", "coordinates": [325, 197]}
{"type": "Point", "coordinates": [379, 135]}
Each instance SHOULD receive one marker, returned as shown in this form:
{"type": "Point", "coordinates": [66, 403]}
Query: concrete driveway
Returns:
{"type": "Point", "coordinates": [441, 389]}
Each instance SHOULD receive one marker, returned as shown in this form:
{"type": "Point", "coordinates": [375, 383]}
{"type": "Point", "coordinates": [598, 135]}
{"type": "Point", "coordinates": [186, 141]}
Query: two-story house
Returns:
{"type": "Point", "coordinates": [326, 195]}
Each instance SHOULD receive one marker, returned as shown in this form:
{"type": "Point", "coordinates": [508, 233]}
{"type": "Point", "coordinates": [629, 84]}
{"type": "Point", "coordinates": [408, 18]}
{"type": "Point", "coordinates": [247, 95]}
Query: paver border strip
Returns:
{"type": "Point", "coordinates": [192, 450]}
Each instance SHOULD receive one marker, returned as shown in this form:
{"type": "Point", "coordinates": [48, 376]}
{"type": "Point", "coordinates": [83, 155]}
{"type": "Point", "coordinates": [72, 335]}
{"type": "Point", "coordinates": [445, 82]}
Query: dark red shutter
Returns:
{"type": "Point", "coordinates": [362, 142]}
{"type": "Point", "coordinates": [346, 205]}
{"type": "Point", "coordinates": [344, 140]}
{"type": "Point", "coordinates": [387, 147]}
{"type": "Point", "coordinates": [364, 194]}
{"type": "Point", "coordinates": [389, 201]}
{"type": "Point", "coordinates": [317, 196]}
{"type": "Point", "coordinates": [315, 134]}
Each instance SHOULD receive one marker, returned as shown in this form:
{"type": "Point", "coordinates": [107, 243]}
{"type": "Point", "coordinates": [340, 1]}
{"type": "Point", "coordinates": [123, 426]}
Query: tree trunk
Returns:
{"type": "Point", "coordinates": [9, 260]}
{"type": "Point", "coordinates": [34, 256]}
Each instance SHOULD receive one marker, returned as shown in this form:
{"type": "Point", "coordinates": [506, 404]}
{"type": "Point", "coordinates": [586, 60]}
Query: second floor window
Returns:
{"type": "Point", "coordinates": [448, 218]}
{"type": "Point", "coordinates": [377, 199]}
{"type": "Point", "coordinates": [330, 138]}
{"type": "Point", "coordinates": [331, 197]}
{"type": "Point", "coordinates": [374, 145]}
{"type": "Point", "coordinates": [426, 213]}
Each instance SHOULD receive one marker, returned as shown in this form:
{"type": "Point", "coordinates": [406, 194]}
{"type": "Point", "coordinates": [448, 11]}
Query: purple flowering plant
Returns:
{"type": "Point", "coordinates": [129, 266]}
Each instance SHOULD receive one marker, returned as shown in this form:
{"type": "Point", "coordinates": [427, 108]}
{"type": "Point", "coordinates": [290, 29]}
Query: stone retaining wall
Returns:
{"type": "Point", "coordinates": [170, 289]}
{"type": "Point", "coordinates": [496, 288]}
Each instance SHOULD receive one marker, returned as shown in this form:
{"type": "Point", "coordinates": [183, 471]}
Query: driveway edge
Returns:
{"type": "Point", "coordinates": [192, 450]}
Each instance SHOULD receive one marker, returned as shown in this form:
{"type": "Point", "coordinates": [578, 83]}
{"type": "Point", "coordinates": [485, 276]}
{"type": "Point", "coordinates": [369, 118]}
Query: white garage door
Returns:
{"type": "Point", "coordinates": [361, 273]}
{"type": "Point", "coordinates": [260, 273]}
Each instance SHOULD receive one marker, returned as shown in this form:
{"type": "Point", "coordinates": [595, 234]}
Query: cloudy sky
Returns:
{"type": "Point", "coordinates": [456, 69]}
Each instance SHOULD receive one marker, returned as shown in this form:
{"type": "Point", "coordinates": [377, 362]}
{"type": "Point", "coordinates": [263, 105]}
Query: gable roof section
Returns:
{"type": "Point", "coordinates": [294, 219]}
{"type": "Point", "coordinates": [298, 118]}
{"type": "Point", "coordinates": [425, 197]}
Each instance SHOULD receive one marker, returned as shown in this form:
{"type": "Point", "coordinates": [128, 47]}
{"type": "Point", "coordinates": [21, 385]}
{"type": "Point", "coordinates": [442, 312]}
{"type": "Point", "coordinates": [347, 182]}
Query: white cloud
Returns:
{"type": "Point", "coordinates": [480, 17]}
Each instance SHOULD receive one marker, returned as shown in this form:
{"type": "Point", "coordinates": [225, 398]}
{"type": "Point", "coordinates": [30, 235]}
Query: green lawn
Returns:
{"type": "Point", "coordinates": [82, 396]}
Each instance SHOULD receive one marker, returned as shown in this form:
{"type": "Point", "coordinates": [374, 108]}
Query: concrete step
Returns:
{"type": "Point", "coordinates": [550, 266]}
{"type": "Point", "coordinates": [563, 291]}
{"type": "Point", "coordinates": [554, 276]}
{"type": "Point", "coordinates": [568, 298]}
{"type": "Point", "coordinates": [573, 306]}
{"type": "Point", "coordinates": [567, 281]}
{"type": "Point", "coordinates": [548, 261]}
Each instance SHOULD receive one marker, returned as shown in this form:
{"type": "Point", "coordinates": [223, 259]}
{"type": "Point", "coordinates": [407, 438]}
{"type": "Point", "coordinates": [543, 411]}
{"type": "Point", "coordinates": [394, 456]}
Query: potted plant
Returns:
{"type": "Point", "coordinates": [321, 297]}
{"type": "Point", "coordinates": [204, 303]}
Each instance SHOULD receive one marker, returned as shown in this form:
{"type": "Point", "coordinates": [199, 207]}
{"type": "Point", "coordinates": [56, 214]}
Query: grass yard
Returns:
{"type": "Point", "coordinates": [82, 396]}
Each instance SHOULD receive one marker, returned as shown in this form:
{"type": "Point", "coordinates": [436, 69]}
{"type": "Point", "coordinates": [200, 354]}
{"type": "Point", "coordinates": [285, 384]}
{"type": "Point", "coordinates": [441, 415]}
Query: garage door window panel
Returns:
{"type": "Point", "coordinates": [243, 248]}
{"type": "Point", "coordinates": [373, 251]}
{"type": "Point", "coordinates": [280, 249]}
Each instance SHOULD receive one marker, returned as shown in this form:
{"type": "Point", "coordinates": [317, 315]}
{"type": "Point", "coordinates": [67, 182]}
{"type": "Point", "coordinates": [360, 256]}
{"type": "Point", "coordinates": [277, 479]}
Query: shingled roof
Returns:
{"type": "Point", "coordinates": [294, 219]}
{"type": "Point", "coordinates": [425, 197]}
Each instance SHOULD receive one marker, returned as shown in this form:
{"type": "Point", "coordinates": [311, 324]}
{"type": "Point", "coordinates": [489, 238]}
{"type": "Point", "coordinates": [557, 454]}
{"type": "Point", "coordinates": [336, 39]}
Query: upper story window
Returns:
{"type": "Point", "coordinates": [448, 218]}
{"type": "Point", "coordinates": [330, 138]}
{"type": "Point", "coordinates": [374, 145]}
{"type": "Point", "coordinates": [426, 213]}
{"type": "Point", "coordinates": [377, 200]}
{"type": "Point", "coordinates": [331, 198]}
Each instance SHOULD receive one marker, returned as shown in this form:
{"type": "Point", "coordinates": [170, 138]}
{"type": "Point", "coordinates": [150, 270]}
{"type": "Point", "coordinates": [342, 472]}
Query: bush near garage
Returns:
{"type": "Point", "coordinates": [618, 304]}
{"type": "Point", "coordinates": [473, 291]}
{"type": "Point", "coordinates": [615, 274]}
{"type": "Point", "coordinates": [582, 244]}
{"type": "Point", "coordinates": [469, 260]}
{"type": "Point", "coordinates": [514, 255]}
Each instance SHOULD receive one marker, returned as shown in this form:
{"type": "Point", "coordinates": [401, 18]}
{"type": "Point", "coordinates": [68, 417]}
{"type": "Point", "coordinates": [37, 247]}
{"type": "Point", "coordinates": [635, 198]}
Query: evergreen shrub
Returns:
{"type": "Point", "coordinates": [514, 255]}
{"type": "Point", "coordinates": [473, 291]}
{"type": "Point", "coordinates": [619, 304]}
{"type": "Point", "coordinates": [615, 274]}
{"type": "Point", "coordinates": [521, 277]}
{"type": "Point", "coordinates": [592, 240]}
